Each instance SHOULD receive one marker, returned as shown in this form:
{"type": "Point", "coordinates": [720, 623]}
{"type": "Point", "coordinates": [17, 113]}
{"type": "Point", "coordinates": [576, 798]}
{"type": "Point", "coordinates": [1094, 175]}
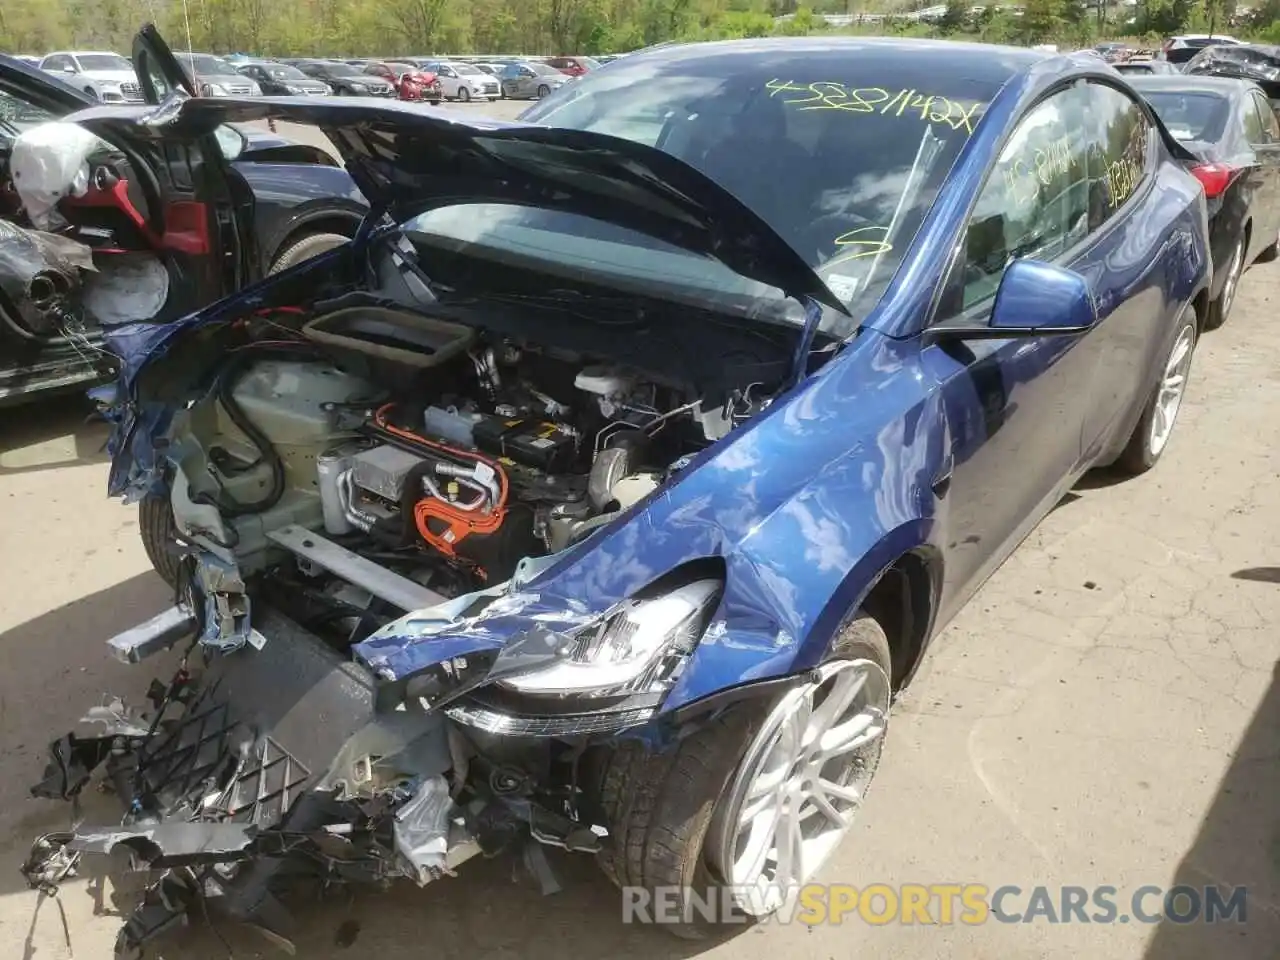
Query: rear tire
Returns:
{"type": "Point", "coordinates": [304, 248]}
{"type": "Point", "coordinates": [1220, 309]}
{"type": "Point", "coordinates": [1151, 436]}
{"type": "Point", "coordinates": [159, 536]}
{"type": "Point", "coordinates": [662, 808]}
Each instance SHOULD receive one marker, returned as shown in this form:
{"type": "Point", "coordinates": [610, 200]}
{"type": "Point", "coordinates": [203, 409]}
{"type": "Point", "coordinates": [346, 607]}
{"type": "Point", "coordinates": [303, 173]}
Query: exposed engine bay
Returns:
{"type": "Point", "coordinates": [338, 468]}
{"type": "Point", "coordinates": [440, 454]}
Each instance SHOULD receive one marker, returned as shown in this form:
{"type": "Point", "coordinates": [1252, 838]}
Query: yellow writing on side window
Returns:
{"type": "Point", "coordinates": [902, 102]}
{"type": "Point", "coordinates": [1027, 171]}
{"type": "Point", "coordinates": [1122, 179]}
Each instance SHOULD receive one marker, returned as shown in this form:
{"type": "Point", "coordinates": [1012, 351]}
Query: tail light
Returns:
{"type": "Point", "coordinates": [1214, 177]}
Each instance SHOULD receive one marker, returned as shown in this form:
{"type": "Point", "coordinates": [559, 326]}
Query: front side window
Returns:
{"type": "Point", "coordinates": [1035, 202]}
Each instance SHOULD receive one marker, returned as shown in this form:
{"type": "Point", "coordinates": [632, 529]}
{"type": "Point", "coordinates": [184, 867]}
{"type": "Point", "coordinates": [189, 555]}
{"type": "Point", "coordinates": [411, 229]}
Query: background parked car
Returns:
{"type": "Point", "coordinates": [282, 80]}
{"type": "Point", "coordinates": [346, 80]}
{"type": "Point", "coordinates": [103, 75]}
{"type": "Point", "coordinates": [304, 203]}
{"type": "Point", "coordinates": [411, 82]}
{"type": "Point", "coordinates": [1147, 67]}
{"type": "Point", "coordinates": [531, 80]}
{"type": "Point", "coordinates": [215, 77]}
{"type": "Point", "coordinates": [1248, 61]}
{"type": "Point", "coordinates": [1231, 128]}
{"type": "Point", "coordinates": [573, 66]}
{"type": "Point", "coordinates": [1183, 47]}
{"type": "Point", "coordinates": [462, 81]}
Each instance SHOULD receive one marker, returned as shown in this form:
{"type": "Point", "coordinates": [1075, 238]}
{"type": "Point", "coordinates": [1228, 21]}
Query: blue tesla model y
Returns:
{"type": "Point", "coordinates": [605, 489]}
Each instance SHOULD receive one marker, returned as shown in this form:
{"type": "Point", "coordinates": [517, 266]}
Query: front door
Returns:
{"type": "Point", "coordinates": [1015, 408]}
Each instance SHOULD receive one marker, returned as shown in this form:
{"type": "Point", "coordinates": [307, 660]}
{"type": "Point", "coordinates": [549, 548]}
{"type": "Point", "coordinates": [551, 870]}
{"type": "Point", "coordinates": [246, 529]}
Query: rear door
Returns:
{"type": "Point", "coordinates": [1267, 150]}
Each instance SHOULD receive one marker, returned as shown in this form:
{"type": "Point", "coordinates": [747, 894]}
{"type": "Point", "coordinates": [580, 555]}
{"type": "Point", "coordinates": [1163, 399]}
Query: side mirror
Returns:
{"type": "Point", "coordinates": [1034, 299]}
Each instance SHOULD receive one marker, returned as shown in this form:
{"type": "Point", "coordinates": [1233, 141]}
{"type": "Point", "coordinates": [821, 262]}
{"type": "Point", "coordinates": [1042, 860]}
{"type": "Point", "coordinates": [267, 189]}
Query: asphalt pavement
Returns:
{"type": "Point", "coordinates": [1106, 711]}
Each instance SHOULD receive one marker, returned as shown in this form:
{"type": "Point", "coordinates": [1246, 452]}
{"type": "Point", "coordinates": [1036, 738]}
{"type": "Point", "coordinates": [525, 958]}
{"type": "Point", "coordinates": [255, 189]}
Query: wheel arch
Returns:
{"type": "Point", "coordinates": [327, 219]}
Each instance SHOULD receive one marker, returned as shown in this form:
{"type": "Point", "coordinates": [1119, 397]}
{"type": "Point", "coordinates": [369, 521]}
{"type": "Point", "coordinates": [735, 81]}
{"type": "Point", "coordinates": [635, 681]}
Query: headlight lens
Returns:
{"type": "Point", "coordinates": [637, 648]}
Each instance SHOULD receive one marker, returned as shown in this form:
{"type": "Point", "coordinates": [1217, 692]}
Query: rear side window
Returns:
{"type": "Point", "coordinates": [1035, 203]}
{"type": "Point", "coordinates": [1254, 131]}
{"type": "Point", "coordinates": [1267, 113]}
{"type": "Point", "coordinates": [1118, 136]}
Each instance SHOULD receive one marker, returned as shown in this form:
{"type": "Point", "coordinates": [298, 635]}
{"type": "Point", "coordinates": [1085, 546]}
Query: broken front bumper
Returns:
{"type": "Point", "coordinates": [268, 760]}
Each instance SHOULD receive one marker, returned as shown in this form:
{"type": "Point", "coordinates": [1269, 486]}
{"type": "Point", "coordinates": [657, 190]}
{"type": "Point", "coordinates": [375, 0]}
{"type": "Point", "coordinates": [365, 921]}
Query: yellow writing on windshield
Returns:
{"type": "Point", "coordinates": [902, 102]}
{"type": "Point", "coordinates": [859, 243]}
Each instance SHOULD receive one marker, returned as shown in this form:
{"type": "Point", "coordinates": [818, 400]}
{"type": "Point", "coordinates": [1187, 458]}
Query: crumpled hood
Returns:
{"type": "Point", "coordinates": [407, 161]}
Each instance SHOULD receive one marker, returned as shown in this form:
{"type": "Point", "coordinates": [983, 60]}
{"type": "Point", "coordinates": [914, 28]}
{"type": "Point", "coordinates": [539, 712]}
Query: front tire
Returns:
{"type": "Point", "coordinates": [159, 536]}
{"type": "Point", "coordinates": [1151, 436]}
{"type": "Point", "coordinates": [544, 91]}
{"type": "Point", "coordinates": [304, 248]}
{"type": "Point", "coordinates": [702, 814]}
{"type": "Point", "coordinates": [464, 94]}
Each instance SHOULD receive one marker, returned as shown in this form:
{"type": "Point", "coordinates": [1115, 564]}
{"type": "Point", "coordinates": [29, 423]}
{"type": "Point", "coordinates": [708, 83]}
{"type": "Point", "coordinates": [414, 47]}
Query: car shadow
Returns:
{"type": "Point", "coordinates": [57, 432]}
{"type": "Point", "coordinates": [1238, 845]}
{"type": "Point", "coordinates": [52, 669]}
{"type": "Point", "coordinates": [1258, 574]}
{"type": "Point", "coordinates": [491, 909]}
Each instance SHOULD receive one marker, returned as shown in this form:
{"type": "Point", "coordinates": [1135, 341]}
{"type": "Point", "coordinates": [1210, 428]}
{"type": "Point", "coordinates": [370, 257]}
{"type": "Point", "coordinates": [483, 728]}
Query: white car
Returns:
{"type": "Point", "coordinates": [462, 81]}
{"type": "Point", "coordinates": [99, 73]}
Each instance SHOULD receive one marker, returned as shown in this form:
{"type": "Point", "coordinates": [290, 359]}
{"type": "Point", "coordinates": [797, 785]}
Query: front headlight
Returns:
{"type": "Point", "coordinates": [635, 649]}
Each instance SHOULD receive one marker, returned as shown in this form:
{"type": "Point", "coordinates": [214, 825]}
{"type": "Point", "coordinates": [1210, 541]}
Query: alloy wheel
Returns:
{"type": "Point", "coordinates": [1172, 386]}
{"type": "Point", "coordinates": [800, 783]}
{"type": "Point", "coordinates": [1233, 277]}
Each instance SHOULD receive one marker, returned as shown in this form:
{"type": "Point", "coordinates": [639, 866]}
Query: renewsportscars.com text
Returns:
{"type": "Point", "coordinates": [939, 903]}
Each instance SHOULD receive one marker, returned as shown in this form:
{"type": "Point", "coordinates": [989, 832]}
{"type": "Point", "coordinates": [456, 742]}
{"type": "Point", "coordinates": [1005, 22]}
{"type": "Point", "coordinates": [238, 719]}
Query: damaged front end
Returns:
{"type": "Point", "coordinates": [245, 771]}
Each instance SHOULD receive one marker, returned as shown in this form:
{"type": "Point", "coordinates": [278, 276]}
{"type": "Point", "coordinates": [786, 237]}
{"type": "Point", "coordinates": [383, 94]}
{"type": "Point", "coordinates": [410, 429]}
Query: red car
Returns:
{"type": "Point", "coordinates": [573, 66]}
{"type": "Point", "coordinates": [411, 83]}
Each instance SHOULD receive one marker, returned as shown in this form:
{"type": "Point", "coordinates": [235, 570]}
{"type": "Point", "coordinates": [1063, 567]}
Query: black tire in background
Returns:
{"type": "Point", "coordinates": [304, 248]}
{"type": "Point", "coordinates": [544, 91]}
{"type": "Point", "coordinates": [1220, 308]}
{"type": "Point", "coordinates": [159, 536]}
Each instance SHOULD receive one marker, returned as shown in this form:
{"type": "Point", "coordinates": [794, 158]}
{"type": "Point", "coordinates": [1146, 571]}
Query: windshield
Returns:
{"type": "Point", "coordinates": [402, 67]}
{"type": "Point", "coordinates": [203, 65]}
{"type": "Point", "coordinates": [588, 62]}
{"type": "Point", "coordinates": [542, 68]}
{"type": "Point", "coordinates": [103, 61]}
{"type": "Point", "coordinates": [466, 69]}
{"type": "Point", "coordinates": [846, 154]}
{"type": "Point", "coordinates": [1191, 116]}
{"type": "Point", "coordinates": [282, 72]}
